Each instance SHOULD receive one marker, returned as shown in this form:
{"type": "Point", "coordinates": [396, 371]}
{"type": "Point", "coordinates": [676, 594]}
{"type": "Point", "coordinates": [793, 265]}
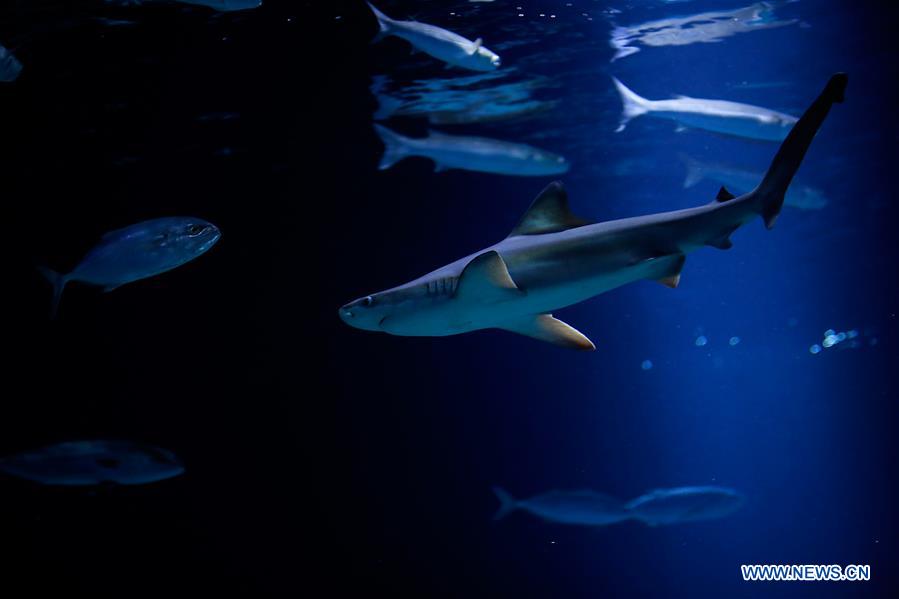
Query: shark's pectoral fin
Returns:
{"type": "Point", "coordinates": [548, 213]}
{"type": "Point", "coordinates": [546, 328]}
{"type": "Point", "coordinates": [672, 277]}
{"type": "Point", "coordinates": [724, 195]}
{"type": "Point", "coordinates": [486, 279]}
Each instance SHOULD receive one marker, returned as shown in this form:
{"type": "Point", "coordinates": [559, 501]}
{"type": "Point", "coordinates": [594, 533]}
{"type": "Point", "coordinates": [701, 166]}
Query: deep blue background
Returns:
{"type": "Point", "coordinates": [318, 454]}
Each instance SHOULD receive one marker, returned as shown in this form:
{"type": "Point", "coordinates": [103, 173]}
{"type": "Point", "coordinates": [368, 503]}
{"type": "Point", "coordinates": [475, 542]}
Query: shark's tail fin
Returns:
{"type": "Point", "coordinates": [633, 105]}
{"type": "Point", "coordinates": [771, 191]}
{"type": "Point", "coordinates": [507, 503]}
{"type": "Point", "coordinates": [695, 170]}
{"type": "Point", "coordinates": [384, 23]}
{"type": "Point", "coordinates": [396, 147]}
{"type": "Point", "coordinates": [59, 283]}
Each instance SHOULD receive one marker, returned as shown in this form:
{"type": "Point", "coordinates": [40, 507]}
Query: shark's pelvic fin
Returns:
{"type": "Point", "coordinates": [552, 330]}
{"type": "Point", "coordinates": [672, 277]}
{"type": "Point", "coordinates": [724, 195]}
{"type": "Point", "coordinates": [486, 279]}
{"type": "Point", "coordinates": [548, 213]}
{"type": "Point", "coordinates": [722, 242]}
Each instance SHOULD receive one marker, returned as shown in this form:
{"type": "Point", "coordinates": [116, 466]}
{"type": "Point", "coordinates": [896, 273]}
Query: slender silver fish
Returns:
{"type": "Point", "coordinates": [471, 153]}
{"type": "Point", "coordinates": [440, 43]}
{"type": "Point", "coordinates": [707, 27]}
{"type": "Point", "coordinates": [554, 259]}
{"type": "Point", "coordinates": [720, 116]}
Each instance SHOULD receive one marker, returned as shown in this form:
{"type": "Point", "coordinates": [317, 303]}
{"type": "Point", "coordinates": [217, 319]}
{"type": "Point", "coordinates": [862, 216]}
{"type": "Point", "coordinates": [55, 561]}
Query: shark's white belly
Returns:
{"type": "Point", "coordinates": [449, 317]}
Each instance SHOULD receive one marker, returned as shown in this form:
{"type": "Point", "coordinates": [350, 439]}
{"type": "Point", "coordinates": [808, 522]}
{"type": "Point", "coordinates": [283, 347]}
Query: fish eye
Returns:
{"type": "Point", "coordinates": [194, 230]}
{"type": "Point", "coordinates": [368, 301]}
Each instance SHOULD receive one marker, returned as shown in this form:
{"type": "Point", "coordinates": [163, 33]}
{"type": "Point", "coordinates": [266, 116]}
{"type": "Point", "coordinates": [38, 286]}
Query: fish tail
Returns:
{"type": "Point", "coordinates": [395, 147]}
{"type": "Point", "coordinates": [633, 105]}
{"type": "Point", "coordinates": [771, 191]}
{"type": "Point", "coordinates": [695, 171]}
{"type": "Point", "coordinates": [387, 106]}
{"type": "Point", "coordinates": [507, 503]}
{"type": "Point", "coordinates": [58, 282]}
{"type": "Point", "coordinates": [384, 23]}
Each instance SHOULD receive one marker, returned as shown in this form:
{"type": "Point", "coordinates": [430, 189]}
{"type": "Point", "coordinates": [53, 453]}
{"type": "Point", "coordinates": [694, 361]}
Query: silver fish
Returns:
{"type": "Point", "coordinates": [451, 48]}
{"type": "Point", "coordinates": [471, 153]}
{"type": "Point", "coordinates": [720, 116]}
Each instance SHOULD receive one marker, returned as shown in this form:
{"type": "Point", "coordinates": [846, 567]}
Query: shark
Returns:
{"type": "Point", "coordinates": [718, 116]}
{"type": "Point", "coordinates": [553, 259]}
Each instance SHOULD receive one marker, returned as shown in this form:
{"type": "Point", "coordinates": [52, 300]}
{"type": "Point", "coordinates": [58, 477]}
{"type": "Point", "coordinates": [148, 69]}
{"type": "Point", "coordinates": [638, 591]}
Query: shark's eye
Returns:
{"type": "Point", "coordinates": [368, 301]}
{"type": "Point", "coordinates": [194, 230]}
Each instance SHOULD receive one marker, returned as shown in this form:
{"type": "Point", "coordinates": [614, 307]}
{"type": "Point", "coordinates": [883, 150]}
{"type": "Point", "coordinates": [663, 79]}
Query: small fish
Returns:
{"type": "Point", "coordinates": [588, 508]}
{"type": "Point", "coordinates": [742, 181]}
{"type": "Point", "coordinates": [685, 504]}
{"type": "Point", "coordinates": [471, 153]}
{"type": "Point", "coordinates": [85, 463]}
{"type": "Point", "coordinates": [136, 252]}
{"type": "Point", "coordinates": [720, 116]}
{"type": "Point", "coordinates": [440, 43]}
{"type": "Point", "coordinates": [10, 67]}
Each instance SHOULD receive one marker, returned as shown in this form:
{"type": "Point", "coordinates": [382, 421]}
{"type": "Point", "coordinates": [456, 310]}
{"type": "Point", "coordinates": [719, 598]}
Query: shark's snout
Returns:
{"type": "Point", "coordinates": [360, 314]}
{"type": "Point", "coordinates": [346, 313]}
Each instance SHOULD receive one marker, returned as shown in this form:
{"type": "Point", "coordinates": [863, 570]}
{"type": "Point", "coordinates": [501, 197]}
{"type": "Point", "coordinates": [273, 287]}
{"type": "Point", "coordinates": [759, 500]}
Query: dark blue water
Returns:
{"type": "Point", "coordinates": [318, 454]}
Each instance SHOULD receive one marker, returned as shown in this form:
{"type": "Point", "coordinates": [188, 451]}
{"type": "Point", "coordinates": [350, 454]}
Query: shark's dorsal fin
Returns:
{"type": "Point", "coordinates": [477, 44]}
{"type": "Point", "coordinates": [548, 213]}
{"type": "Point", "coordinates": [486, 279]}
{"type": "Point", "coordinates": [546, 328]}
{"type": "Point", "coordinates": [724, 195]}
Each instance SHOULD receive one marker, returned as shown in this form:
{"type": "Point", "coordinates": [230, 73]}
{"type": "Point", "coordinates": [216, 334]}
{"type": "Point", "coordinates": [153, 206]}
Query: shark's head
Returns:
{"type": "Point", "coordinates": [368, 312]}
{"type": "Point", "coordinates": [395, 310]}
